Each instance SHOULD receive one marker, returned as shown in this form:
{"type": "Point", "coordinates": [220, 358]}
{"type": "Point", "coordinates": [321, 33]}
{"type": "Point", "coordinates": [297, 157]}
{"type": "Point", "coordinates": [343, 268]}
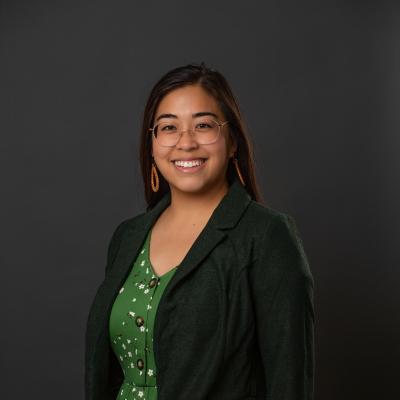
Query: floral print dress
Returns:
{"type": "Point", "coordinates": [131, 327]}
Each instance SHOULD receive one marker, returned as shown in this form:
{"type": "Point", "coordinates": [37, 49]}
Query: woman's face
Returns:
{"type": "Point", "coordinates": [183, 103]}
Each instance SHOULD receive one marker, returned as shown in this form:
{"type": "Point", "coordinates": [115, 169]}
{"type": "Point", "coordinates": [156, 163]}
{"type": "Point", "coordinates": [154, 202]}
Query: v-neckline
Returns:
{"type": "Point", "coordinates": [148, 258]}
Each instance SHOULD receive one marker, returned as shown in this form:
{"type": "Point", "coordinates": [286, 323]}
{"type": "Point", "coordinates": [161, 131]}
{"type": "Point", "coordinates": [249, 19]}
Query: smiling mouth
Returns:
{"type": "Point", "coordinates": [189, 163]}
{"type": "Point", "coordinates": [192, 165]}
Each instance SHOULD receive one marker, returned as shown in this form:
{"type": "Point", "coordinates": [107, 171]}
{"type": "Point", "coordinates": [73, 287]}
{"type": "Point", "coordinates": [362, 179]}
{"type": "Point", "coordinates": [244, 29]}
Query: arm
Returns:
{"type": "Point", "coordinates": [282, 286]}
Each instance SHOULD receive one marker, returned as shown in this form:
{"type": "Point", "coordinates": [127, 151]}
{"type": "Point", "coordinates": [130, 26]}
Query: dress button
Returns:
{"type": "Point", "coordinates": [139, 321]}
{"type": "Point", "coordinates": [140, 363]}
{"type": "Point", "coordinates": [153, 282]}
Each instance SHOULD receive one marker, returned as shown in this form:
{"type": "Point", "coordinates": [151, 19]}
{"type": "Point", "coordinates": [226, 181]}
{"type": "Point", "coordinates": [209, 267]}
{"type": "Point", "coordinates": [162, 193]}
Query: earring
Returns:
{"type": "Point", "coordinates": [235, 161]}
{"type": "Point", "coordinates": [154, 177]}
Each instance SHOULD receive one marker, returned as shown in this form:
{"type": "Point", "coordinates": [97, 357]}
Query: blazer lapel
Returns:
{"type": "Point", "coordinates": [131, 243]}
{"type": "Point", "coordinates": [225, 216]}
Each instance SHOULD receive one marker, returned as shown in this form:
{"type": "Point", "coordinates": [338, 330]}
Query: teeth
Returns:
{"type": "Point", "coordinates": [189, 163]}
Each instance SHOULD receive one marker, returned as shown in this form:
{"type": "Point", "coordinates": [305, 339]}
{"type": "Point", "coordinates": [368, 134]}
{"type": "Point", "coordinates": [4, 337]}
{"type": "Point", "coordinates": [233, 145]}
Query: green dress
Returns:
{"type": "Point", "coordinates": [131, 327]}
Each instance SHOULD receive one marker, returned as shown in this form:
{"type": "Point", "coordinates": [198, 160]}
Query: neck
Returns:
{"type": "Point", "coordinates": [188, 207]}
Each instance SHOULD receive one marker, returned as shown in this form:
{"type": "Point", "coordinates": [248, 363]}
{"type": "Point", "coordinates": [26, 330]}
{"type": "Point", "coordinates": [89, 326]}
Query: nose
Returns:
{"type": "Point", "coordinates": [186, 139]}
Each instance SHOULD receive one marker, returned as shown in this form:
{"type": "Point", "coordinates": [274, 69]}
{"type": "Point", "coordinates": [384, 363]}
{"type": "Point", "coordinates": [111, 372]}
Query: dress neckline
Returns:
{"type": "Point", "coordinates": [148, 258]}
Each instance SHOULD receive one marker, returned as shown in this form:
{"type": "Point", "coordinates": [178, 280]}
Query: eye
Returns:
{"type": "Point", "coordinates": [203, 125]}
{"type": "Point", "coordinates": [168, 127]}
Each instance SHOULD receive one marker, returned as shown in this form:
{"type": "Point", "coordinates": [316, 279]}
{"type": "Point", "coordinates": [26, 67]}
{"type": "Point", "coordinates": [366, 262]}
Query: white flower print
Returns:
{"type": "Point", "coordinates": [139, 298]}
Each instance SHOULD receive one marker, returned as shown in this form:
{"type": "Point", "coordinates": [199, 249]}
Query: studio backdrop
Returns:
{"type": "Point", "coordinates": [318, 83]}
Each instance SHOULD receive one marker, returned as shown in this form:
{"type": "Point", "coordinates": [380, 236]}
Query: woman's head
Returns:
{"type": "Point", "coordinates": [173, 102]}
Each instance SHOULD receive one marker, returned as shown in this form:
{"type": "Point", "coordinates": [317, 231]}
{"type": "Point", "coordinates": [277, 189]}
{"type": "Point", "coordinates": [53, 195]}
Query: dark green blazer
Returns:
{"type": "Point", "coordinates": [235, 322]}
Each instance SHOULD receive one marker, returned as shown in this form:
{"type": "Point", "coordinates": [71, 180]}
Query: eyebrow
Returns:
{"type": "Point", "coordinates": [198, 114]}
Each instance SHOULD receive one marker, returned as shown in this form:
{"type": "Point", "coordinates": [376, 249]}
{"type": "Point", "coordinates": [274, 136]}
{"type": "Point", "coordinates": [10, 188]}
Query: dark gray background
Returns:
{"type": "Point", "coordinates": [318, 84]}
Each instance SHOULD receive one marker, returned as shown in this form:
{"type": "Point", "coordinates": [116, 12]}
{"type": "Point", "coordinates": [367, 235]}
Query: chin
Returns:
{"type": "Point", "coordinates": [190, 185]}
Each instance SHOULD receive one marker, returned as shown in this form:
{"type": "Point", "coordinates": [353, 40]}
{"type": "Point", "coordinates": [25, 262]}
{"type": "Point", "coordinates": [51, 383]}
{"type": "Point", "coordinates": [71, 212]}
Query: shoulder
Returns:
{"type": "Point", "coordinates": [266, 214]}
{"type": "Point", "coordinates": [259, 219]}
{"type": "Point", "coordinates": [125, 224]}
{"type": "Point", "coordinates": [116, 238]}
{"type": "Point", "coordinates": [275, 239]}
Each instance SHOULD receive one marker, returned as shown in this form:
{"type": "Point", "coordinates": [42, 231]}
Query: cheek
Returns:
{"type": "Point", "coordinates": [220, 151]}
{"type": "Point", "coordinates": [159, 151]}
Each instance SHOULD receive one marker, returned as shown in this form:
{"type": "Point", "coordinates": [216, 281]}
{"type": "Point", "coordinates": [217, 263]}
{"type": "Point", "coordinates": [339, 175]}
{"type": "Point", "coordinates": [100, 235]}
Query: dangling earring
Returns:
{"type": "Point", "coordinates": [154, 176]}
{"type": "Point", "coordinates": [235, 161]}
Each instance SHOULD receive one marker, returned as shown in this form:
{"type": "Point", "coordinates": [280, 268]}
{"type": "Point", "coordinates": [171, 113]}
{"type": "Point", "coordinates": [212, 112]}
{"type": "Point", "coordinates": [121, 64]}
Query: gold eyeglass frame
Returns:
{"type": "Point", "coordinates": [220, 125]}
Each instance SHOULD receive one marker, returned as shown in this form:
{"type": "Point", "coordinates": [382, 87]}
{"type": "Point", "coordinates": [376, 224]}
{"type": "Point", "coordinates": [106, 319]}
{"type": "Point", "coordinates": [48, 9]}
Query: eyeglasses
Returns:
{"type": "Point", "coordinates": [205, 131]}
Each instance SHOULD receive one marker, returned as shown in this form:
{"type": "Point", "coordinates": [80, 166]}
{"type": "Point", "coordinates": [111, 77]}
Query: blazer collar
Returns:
{"type": "Point", "coordinates": [225, 216]}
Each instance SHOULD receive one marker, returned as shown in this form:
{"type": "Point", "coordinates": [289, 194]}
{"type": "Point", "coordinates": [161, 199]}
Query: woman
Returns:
{"type": "Point", "coordinates": [208, 294]}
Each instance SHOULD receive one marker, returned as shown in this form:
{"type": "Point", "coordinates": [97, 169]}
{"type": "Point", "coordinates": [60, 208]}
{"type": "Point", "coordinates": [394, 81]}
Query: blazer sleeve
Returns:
{"type": "Point", "coordinates": [94, 386]}
{"type": "Point", "coordinates": [282, 286]}
{"type": "Point", "coordinates": [108, 389]}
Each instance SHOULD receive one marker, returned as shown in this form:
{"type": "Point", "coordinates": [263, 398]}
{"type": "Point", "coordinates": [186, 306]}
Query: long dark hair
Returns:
{"type": "Point", "coordinates": [216, 85]}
